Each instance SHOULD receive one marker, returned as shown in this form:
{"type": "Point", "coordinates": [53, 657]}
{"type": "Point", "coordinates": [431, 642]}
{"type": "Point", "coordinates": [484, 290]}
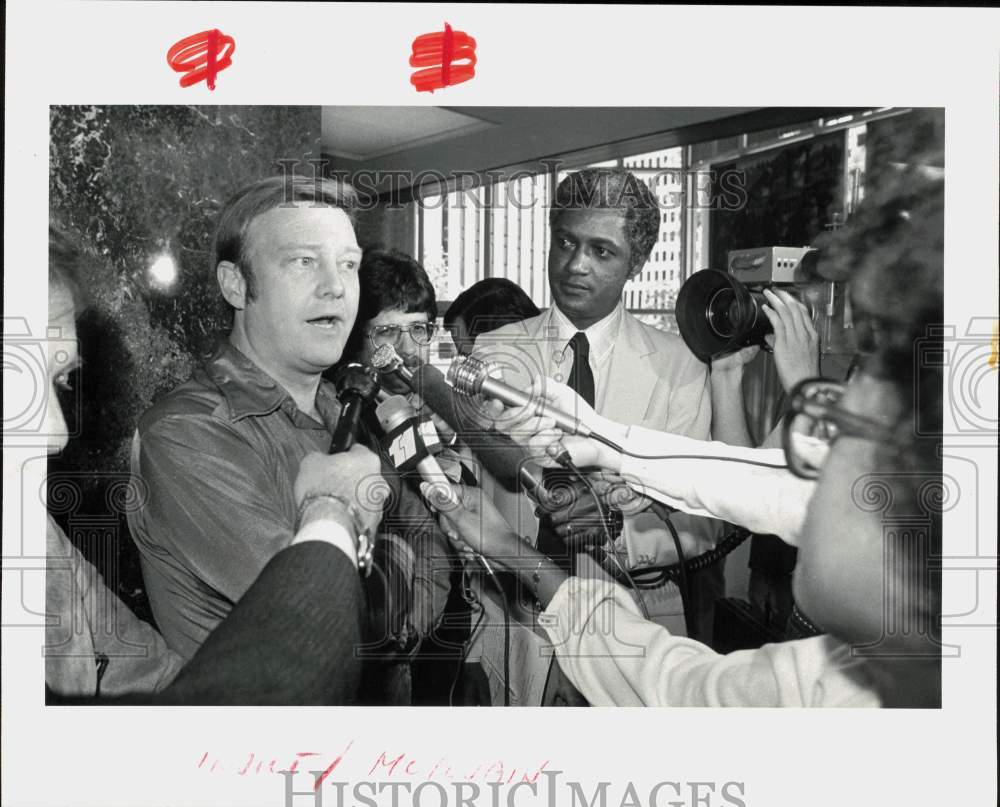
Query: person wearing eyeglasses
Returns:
{"type": "Point", "coordinates": [397, 306]}
{"type": "Point", "coordinates": [856, 487]}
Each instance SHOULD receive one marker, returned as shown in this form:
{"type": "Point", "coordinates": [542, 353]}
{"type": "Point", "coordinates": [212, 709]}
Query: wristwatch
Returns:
{"type": "Point", "coordinates": [363, 544]}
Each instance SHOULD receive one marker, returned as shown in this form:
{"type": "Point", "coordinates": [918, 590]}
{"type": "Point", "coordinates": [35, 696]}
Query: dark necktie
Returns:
{"type": "Point", "coordinates": [581, 381]}
{"type": "Point", "coordinates": [581, 377]}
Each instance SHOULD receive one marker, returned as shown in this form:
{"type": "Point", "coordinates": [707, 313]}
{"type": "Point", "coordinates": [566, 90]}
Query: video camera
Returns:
{"type": "Point", "coordinates": [720, 312]}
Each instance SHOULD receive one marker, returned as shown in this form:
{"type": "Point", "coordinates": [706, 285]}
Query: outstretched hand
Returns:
{"type": "Point", "coordinates": [540, 435]}
{"type": "Point", "coordinates": [470, 519]}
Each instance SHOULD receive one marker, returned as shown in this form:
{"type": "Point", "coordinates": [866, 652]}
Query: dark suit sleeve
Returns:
{"type": "Point", "coordinates": [290, 640]}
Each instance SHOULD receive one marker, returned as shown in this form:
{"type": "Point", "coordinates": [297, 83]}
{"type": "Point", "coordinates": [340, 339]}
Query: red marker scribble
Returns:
{"type": "Point", "coordinates": [441, 53]}
{"type": "Point", "coordinates": [201, 57]}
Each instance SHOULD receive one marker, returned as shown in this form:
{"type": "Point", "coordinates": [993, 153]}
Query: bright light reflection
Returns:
{"type": "Point", "coordinates": [163, 271]}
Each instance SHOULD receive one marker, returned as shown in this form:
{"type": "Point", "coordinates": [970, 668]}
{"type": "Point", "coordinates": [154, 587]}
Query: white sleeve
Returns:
{"type": "Point", "coordinates": [331, 532]}
{"type": "Point", "coordinates": [617, 658]}
{"type": "Point", "coordinates": [698, 477]}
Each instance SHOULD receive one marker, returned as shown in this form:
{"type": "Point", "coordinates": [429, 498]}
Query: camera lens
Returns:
{"type": "Point", "coordinates": [717, 314]}
{"type": "Point", "coordinates": [722, 312]}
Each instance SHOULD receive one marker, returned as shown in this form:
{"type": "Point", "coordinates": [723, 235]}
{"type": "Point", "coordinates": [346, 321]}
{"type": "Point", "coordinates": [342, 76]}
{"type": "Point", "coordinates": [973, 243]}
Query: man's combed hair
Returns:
{"type": "Point", "coordinates": [490, 304]}
{"type": "Point", "coordinates": [390, 280]}
{"type": "Point", "coordinates": [613, 189]}
{"type": "Point", "coordinates": [267, 194]}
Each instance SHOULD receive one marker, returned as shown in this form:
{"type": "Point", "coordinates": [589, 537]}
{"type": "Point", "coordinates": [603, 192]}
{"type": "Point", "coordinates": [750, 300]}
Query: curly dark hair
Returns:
{"type": "Point", "coordinates": [613, 189]}
{"type": "Point", "coordinates": [892, 251]}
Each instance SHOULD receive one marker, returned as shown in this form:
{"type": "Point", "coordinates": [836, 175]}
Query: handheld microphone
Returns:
{"type": "Point", "coordinates": [407, 439]}
{"type": "Point", "coordinates": [385, 359]}
{"type": "Point", "coordinates": [405, 444]}
{"type": "Point", "coordinates": [506, 461]}
{"type": "Point", "coordinates": [355, 383]}
{"type": "Point", "coordinates": [471, 376]}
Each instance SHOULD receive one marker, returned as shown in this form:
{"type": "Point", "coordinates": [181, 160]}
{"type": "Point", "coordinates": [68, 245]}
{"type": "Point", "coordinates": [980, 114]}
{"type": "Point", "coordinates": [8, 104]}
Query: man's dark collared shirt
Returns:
{"type": "Point", "coordinates": [217, 459]}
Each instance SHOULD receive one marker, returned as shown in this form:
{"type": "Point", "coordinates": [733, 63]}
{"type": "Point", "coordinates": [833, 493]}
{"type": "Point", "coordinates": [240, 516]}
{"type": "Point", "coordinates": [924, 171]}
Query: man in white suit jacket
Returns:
{"type": "Point", "coordinates": [604, 223]}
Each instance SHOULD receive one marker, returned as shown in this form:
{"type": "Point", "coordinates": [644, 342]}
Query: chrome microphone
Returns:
{"type": "Point", "coordinates": [472, 376]}
{"type": "Point", "coordinates": [385, 359]}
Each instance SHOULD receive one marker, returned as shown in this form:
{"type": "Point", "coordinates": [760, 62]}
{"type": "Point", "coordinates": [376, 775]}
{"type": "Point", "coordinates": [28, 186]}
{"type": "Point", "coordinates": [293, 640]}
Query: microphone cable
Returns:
{"type": "Point", "coordinates": [615, 447]}
{"type": "Point", "coordinates": [682, 582]}
{"type": "Point", "coordinates": [470, 598]}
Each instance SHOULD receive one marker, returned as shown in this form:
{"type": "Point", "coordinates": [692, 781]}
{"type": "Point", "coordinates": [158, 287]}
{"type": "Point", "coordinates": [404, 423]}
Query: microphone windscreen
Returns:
{"type": "Point", "coordinates": [392, 411]}
{"type": "Point", "coordinates": [500, 455]}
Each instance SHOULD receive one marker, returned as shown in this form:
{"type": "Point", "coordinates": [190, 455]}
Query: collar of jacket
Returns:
{"type": "Point", "coordinates": [248, 390]}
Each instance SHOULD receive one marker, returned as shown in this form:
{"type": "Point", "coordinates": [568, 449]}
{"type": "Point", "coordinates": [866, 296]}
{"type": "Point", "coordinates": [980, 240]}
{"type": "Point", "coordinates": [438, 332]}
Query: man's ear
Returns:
{"type": "Point", "coordinates": [232, 283]}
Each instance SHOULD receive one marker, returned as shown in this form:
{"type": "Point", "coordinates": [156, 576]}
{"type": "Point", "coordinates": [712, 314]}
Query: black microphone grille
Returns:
{"type": "Point", "coordinates": [359, 379]}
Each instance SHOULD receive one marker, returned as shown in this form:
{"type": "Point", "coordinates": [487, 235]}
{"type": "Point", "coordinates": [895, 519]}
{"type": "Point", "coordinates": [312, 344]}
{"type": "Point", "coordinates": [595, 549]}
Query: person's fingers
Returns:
{"type": "Point", "coordinates": [798, 314]}
{"type": "Point", "coordinates": [808, 324]}
{"type": "Point", "coordinates": [551, 391]}
{"type": "Point", "coordinates": [780, 309]}
{"type": "Point", "coordinates": [581, 450]}
{"type": "Point", "coordinates": [600, 485]}
{"type": "Point", "coordinates": [539, 445]}
{"type": "Point", "coordinates": [444, 497]}
{"type": "Point", "coordinates": [492, 408]}
{"type": "Point", "coordinates": [580, 533]}
{"type": "Point", "coordinates": [773, 300]}
{"type": "Point", "coordinates": [776, 324]}
{"type": "Point", "coordinates": [527, 428]}
{"type": "Point", "coordinates": [785, 307]}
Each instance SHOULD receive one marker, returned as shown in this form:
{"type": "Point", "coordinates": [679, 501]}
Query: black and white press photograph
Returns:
{"type": "Point", "coordinates": [484, 405]}
{"type": "Point", "coordinates": [495, 406]}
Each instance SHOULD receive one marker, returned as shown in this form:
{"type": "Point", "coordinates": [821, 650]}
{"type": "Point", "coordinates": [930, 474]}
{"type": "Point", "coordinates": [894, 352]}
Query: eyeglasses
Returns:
{"type": "Point", "coordinates": [814, 421]}
{"type": "Point", "coordinates": [422, 333]}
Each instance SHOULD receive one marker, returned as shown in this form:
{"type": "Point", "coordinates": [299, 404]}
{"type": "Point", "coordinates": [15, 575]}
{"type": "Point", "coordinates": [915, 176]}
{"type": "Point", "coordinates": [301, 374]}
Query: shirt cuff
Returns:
{"type": "Point", "coordinates": [573, 604]}
{"type": "Point", "coordinates": [331, 532]}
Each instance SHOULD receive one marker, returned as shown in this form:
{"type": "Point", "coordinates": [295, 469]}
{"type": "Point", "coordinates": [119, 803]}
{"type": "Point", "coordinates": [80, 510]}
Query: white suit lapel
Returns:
{"type": "Point", "coordinates": [632, 377]}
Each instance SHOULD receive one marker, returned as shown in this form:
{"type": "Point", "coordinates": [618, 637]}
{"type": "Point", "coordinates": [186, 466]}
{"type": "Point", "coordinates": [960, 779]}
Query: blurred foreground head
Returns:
{"type": "Point", "coordinates": [874, 525]}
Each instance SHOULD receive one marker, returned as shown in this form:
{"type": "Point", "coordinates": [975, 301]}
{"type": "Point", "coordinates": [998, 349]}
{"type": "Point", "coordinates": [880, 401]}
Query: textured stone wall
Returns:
{"type": "Point", "coordinates": [133, 183]}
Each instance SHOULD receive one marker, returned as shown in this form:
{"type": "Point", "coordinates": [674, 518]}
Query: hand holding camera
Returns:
{"type": "Point", "coordinates": [795, 341]}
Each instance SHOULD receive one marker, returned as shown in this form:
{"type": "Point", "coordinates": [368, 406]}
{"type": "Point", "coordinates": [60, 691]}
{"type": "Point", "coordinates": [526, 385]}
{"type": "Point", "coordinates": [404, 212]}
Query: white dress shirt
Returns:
{"type": "Point", "coordinates": [640, 663]}
{"type": "Point", "coordinates": [600, 336]}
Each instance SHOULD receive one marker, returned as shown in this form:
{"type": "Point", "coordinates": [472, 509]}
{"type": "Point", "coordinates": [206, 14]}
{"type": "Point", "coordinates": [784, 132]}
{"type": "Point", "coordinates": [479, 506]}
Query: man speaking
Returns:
{"type": "Point", "coordinates": [219, 455]}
